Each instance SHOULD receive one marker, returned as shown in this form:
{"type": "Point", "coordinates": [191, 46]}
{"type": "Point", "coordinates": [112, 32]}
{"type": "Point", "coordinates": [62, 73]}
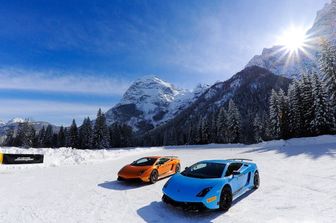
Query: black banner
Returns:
{"type": "Point", "coordinates": [22, 158]}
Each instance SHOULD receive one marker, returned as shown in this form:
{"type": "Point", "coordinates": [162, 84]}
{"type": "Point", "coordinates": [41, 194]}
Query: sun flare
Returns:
{"type": "Point", "coordinates": [293, 39]}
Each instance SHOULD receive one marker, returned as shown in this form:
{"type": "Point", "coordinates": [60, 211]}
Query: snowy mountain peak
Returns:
{"type": "Point", "coordinates": [325, 23]}
{"type": "Point", "coordinates": [16, 120]}
{"type": "Point", "coordinates": [275, 61]}
{"type": "Point", "coordinates": [150, 89]}
{"type": "Point", "coordinates": [150, 101]}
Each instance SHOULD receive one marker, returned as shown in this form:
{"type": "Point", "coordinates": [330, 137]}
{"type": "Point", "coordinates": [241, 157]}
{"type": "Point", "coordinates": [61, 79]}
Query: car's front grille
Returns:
{"type": "Point", "coordinates": [189, 206]}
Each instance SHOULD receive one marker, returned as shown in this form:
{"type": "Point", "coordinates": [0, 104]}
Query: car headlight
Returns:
{"type": "Point", "coordinates": [204, 192]}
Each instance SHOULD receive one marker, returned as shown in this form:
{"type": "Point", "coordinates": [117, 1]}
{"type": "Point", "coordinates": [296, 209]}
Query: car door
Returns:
{"type": "Point", "coordinates": [163, 165]}
{"type": "Point", "coordinates": [236, 181]}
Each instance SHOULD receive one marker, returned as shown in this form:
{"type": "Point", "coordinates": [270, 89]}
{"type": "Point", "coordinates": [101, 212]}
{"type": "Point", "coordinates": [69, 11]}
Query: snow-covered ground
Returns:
{"type": "Point", "coordinates": [298, 179]}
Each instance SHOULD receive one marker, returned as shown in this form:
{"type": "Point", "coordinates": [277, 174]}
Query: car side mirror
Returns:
{"type": "Point", "coordinates": [186, 168]}
{"type": "Point", "coordinates": [235, 173]}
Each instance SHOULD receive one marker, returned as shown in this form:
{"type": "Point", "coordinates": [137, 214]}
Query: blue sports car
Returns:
{"type": "Point", "coordinates": [211, 184]}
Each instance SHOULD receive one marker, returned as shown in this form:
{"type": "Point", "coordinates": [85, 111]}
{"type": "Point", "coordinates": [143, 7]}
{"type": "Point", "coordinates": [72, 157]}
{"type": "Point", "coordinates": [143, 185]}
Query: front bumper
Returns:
{"type": "Point", "coordinates": [132, 178]}
{"type": "Point", "coordinates": [188, 206]}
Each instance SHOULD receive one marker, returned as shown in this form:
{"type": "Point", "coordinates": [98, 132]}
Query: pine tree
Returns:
{"type": "Point", "coordinates": [327, 62]}
{"type": "Point", "coordinates": [25, 135]}
{"type": "Point", "coordinates": [73, 135]}
{"type": "Point", "coordinates": [233, 123]}
{"type": "Point", "coordinates": [283, 109]}
{"type": "Point", "coordinates": [61, 137]}
{"type": "Point", "coordinates": [295, 111]}
{"type": "Point", "coordinates": [258, 128]}
{"type": "Point", "coordinates": [9, 141]}
{"type": "Point", "coordinates": [322, 122]}
{"type": "Point", "coordinates": [85, 134]}
{"type": "Point", "coordinates": [307, 102]}
{"type": "Point", "coordinates": [55, 140]}
{"type": "Point", "coordinates": [222, 124]}
{"type": "Point", "coordinates": [40, 137]}
{"type": "Point", "coordinates": [275, 120]}
{"type": "Point", "coordinates": [205, 131]}
{"type": "Point", "coordinates": [101, 136]}
{"type": "Point", "coordinates": [47, 139]}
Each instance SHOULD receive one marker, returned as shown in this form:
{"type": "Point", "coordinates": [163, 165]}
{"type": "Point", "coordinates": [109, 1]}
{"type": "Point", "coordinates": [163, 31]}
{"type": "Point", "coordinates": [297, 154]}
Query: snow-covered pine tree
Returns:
{"type": "Point", "coordinates": [205, 131]}
{"type": "Point", "coordinates": [306, 90]}
{"type": "Point", "coordinates": [40, 137]}
{"type": "Point", "coordinates": [85, 134]}
{"type": "Point", "coordinates": [274, 116]}
{"type": "Point", "coordinates": [327, 62]}
{"type": "Point", "coordinates": [258, 128]}
{"type": "Point", "coordinates": [283, 109]}
{"type": "Point", "coordinates": [101, 136]}
{"type": "Point", "coordinates": [222, 125]}
{"type": "Point", "coordinates": [213, 128]}
{"type": "Point", "coordinates": [295, 112]}
{"type": "Point", "coordinates": [47, 140]}
{"type": "Point", "coordinates": [61, 137]}
{"type": "Point", "coordinates": [233, 123]}
{"type": "Point", "coordinates": [322, 122]}
{"type": "Point", "coordinates": [73, 135]}
{"type": "Point", "coordinates": [25, 135]}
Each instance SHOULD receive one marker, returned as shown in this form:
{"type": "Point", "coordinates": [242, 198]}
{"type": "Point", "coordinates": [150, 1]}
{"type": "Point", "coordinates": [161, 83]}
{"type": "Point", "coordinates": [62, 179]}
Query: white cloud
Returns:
{"type": "Point", "coordinates": [12, 78]}
{"type": "Point", "coordinates": [54, 112]}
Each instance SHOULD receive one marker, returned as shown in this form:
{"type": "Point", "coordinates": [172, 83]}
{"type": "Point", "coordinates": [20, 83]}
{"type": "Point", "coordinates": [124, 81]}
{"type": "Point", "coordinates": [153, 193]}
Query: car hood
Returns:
{"type": "Point", "coordinates": [186, 188]}
{"type": "Point", "coordinates": [129, 169]}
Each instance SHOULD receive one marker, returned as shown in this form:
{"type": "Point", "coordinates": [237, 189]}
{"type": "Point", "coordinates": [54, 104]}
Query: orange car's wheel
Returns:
{"type": "Point", "coordinates": [177, 168]}
{"type": "Point", "coordinates": [154, 177]}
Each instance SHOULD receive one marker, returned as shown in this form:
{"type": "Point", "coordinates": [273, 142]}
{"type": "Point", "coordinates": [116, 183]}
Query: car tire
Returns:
{"type": "Point", "coordinates": [120, 179]}
{"type": "Point", "coordinates": [225, 201]}
{"type": "Point", "coordinates": [177, 168]}
{"type": "Point", "coordinates": [256, 180]}
{"type": "Point", "coordinates": [154, 177]}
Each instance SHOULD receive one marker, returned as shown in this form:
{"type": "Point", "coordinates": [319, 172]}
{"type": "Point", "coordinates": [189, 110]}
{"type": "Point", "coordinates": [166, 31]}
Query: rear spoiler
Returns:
{"type": "Point", "coordinates": [172, 157]}
{"type": "Point", "coordinates": [241, 159]}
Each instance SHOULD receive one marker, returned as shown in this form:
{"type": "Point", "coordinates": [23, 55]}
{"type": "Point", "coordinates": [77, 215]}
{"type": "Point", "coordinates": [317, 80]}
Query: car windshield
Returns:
{"type": "Point", "coordinates": [146, 161]}
{"type": "Point", "coordinates": [205, 170]}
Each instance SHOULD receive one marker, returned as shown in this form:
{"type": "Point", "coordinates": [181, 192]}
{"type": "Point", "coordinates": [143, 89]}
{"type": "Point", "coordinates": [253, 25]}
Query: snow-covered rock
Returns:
{"type": "Point", "coordinates": [150, 101]}
{"type": "Point", "coordinates": [276, 59]}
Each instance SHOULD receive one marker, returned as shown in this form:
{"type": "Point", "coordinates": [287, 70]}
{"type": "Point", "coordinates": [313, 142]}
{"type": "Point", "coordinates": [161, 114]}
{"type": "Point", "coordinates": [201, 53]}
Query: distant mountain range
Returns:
{"type": "Point", "coordinates": [12, 125]}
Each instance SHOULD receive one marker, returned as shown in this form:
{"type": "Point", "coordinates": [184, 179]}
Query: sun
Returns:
{"type": "Point", "coordinates": [293, 39]}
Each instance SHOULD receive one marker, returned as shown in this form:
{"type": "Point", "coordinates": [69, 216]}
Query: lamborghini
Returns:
{"type": "Point", "coordinates": [150, 169]}
{"type": "Point", "coordinates": [211, 184]}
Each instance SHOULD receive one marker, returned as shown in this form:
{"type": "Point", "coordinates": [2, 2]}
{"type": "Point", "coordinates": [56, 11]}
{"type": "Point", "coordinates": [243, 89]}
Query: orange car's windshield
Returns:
{"type": "Point", "coordinates": [147, 161]}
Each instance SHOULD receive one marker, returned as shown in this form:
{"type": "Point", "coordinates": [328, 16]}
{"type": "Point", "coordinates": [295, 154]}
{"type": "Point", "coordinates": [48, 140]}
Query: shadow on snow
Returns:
{"type": "Point", "coordinates": [161, 212]}
{"type": "Point", "coordinates": [314, 151]}
{"type": "Point", "coordinates": [122, 185]}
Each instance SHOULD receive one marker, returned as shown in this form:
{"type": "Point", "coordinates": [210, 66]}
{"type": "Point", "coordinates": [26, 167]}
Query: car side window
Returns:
{"type": "Point", "coordinates": [162, 161]}
{"type": "Point", "coordinates": [233, 167]}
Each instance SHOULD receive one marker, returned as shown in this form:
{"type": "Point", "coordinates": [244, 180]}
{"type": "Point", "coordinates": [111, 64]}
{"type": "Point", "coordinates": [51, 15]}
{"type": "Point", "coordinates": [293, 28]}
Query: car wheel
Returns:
{"type": "Point", "coordinates": [177, 168]}
{"type": "Point", "coordinates": [154, 176]}
{"type": "Point", "coordinates": [225, 199]}
{"type": "Point", "coordinates": [256, 180]}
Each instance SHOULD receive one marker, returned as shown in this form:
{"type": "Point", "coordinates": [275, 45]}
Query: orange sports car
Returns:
{"type": "Point", "coordinates": [150, 169]}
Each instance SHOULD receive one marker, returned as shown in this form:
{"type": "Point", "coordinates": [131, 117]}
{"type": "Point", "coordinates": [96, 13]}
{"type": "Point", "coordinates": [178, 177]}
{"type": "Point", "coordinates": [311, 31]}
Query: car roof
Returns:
{"type": "Point", "coordinates": [228, 161]}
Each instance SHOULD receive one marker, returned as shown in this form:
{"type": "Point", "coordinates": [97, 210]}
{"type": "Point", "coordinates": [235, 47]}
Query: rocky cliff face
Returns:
{"type": "Point", "coordinates": [150, 101]}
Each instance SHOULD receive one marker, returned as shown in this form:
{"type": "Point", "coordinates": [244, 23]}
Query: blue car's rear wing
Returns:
{"type": "Point", "coordinates": [241, 159]}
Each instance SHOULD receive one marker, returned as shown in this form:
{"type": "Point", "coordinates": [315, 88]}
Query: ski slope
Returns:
{"type": "Point", "coordinates": [298, 184]}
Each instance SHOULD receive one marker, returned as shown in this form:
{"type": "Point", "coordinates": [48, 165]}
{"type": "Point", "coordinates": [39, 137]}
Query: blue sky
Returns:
{"type": "Point", "coordinates": [65, 59]}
